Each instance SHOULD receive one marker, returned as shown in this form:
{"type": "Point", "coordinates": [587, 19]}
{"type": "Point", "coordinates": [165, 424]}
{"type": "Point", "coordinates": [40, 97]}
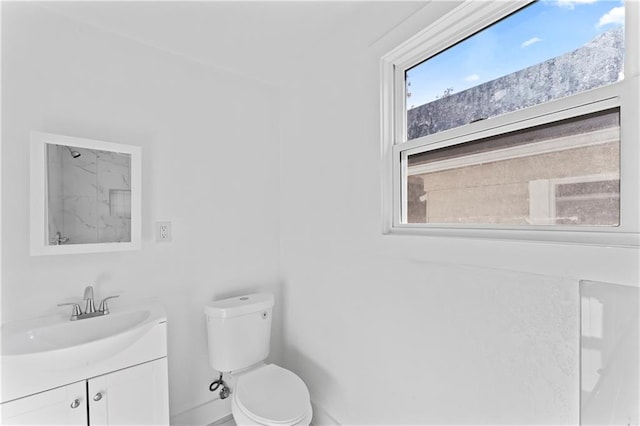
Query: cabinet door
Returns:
{"type": "Point", "coordinates": [134, 396]}
{"type": "Point", "coordinates": [66, 405]}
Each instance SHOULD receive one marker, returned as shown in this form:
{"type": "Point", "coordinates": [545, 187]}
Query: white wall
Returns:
{"type": "Point", "coordinates": [384, 329]}
{"type": "Point", "coordinates": [412, 329]}
{"type": "Point", "coordinates": [195, 127]}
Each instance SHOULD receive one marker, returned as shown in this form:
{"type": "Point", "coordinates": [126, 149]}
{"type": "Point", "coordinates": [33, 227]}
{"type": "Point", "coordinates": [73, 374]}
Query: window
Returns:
{"type": "Point", "coordinates": [505, 179]}
{"type": "Point", "coordinates": [499, 122]}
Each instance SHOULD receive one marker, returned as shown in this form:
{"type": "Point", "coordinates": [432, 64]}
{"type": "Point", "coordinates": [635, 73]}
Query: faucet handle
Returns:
{"type": "Point", "coordinates": [76, 310]}
{"type": "Point", "coordinates": [104, 306]}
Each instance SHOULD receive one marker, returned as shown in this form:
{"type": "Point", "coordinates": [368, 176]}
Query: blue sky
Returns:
{"type": "Point", "coordinates": [543, 30]}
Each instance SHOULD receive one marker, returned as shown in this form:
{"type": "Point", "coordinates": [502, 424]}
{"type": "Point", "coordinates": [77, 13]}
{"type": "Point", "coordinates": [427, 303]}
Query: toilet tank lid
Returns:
{"type": "Point", "coordinates": [239, 305]}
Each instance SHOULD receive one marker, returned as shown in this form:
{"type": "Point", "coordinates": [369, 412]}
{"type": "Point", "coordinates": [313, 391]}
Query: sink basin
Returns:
{"type": "Point", "coordinates": [47, 351]}
{"type": "Point", "coordinates": [22, 339]}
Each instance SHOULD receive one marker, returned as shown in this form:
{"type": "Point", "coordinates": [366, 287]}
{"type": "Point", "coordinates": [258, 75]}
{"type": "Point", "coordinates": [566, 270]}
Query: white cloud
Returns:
{"type": "Point", "coordinates": [472, 77]}
{"type": "Point", "coordinates": [614, 16]}
{"type": "Point", "coordinates": [570, 4]}
{"type": "Point", "coordinates": [531, 41]}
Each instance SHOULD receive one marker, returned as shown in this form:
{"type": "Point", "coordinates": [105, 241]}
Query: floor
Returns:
{"type": "Point", "coordinates": [227, 421]}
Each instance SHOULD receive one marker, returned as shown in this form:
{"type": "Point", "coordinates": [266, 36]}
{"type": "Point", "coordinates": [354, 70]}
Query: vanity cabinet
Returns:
{"type": "Point", "coordinates": [100, 371]}
{"type": "Point", "coordinates": [65, 405]}
{"type": "Point", "coordinates": [133, 396]}
{"type": "Point", "coordinates": [136, 395]}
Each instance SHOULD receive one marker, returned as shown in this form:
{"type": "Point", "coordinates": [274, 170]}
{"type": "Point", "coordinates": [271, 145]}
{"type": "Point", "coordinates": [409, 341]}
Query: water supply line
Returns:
{"type": "Point", "coordinates": [224, 392]}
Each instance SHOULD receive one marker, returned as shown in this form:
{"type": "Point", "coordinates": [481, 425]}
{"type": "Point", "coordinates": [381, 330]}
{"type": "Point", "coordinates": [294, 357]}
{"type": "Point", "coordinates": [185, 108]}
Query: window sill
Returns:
{"type": "Point", "coordinates": [603, 238]}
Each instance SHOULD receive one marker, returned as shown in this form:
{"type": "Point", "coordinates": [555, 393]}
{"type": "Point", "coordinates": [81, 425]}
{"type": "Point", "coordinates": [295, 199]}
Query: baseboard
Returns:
{"type": "Point", "coordinates": [217, 411]}
{"type": "Point", "coordinates": [321, 417]}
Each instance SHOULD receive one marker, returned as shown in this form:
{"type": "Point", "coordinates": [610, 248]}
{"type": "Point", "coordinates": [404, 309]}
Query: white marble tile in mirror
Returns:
{"type": "Point", "coordinates": [89, 195]}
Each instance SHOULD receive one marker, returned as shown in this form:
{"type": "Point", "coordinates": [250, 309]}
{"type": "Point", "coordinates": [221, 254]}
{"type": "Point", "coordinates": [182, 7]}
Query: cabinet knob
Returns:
{"type": "Point", "coordinates": [75, 403]}
{"type": "Point", "coordinates": [97, 397]}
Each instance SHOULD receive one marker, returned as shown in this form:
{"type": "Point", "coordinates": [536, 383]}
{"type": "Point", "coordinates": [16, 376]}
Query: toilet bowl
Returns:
{"type": "Point", "coordinates": [270, 395]}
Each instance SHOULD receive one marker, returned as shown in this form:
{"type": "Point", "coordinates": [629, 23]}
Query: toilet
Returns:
{"type": "Point", "coordinates": [239, 336]}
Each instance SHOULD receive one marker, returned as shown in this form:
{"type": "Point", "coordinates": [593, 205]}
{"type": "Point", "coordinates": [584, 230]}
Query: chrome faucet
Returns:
{"type": "Point", "coordinates": [59, 239]}
{"type": "Point", "coordinates": [90, 307]}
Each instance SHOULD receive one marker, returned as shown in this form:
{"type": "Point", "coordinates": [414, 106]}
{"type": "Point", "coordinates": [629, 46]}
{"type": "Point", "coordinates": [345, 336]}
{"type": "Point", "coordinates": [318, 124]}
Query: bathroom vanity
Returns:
{"type": "Point", "coordinates": [98, 371]}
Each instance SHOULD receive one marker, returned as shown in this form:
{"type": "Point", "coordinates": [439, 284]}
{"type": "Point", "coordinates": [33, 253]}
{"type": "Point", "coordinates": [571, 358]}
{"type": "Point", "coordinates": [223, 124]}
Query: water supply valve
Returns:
{"type": "Point", "coordinates": [224, 392]}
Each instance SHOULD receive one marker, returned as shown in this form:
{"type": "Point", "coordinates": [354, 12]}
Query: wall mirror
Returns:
{"type": "Point", "coordinates": [85, 195]}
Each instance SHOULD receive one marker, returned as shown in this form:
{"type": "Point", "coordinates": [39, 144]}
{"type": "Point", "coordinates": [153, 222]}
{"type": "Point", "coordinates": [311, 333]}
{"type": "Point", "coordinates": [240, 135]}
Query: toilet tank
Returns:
{"type": "Point", "coordinates": [239, 330]}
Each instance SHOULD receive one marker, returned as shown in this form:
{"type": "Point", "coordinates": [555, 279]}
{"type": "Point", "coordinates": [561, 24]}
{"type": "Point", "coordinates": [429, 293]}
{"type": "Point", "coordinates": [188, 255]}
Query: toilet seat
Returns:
{"type": "Point", "coordinates": [272, 395]}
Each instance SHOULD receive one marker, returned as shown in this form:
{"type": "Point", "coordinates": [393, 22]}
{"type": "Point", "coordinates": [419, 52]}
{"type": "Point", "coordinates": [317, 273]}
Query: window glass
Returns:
{"type": "Point", "coordinates": [546, 51]}
{"type": "Point", "coordinates": [561, 173]}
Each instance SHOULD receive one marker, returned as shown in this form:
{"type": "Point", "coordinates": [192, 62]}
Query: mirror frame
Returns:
{"type": "Point", "coordinates": [39, 226]}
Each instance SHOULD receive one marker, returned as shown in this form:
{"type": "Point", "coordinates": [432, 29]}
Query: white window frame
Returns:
{"type": "Point", "coordinates": [467, 19]}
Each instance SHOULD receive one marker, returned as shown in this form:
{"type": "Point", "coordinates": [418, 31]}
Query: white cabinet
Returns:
{"type": "Point", "coordinates": [136, 395]}
{"type": "Point", "coordinates": [133, 396]}
{"type": "Point", "coordinates": [66, 405]}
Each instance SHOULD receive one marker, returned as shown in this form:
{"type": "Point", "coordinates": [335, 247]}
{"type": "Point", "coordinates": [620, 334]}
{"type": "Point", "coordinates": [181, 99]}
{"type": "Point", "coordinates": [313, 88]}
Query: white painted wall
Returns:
{"type": "Point", "coordinates": [384, 329]}
{"type": "Point", "coordinates": [195, 126]}
{"type": "Point", "coordinates": [412, 329]}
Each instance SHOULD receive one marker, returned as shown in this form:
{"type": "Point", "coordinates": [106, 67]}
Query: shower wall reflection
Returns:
{"type": "Point", "coordinates": [89, 195]}
{"type": "Point", "coordinates": [609, 388]}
